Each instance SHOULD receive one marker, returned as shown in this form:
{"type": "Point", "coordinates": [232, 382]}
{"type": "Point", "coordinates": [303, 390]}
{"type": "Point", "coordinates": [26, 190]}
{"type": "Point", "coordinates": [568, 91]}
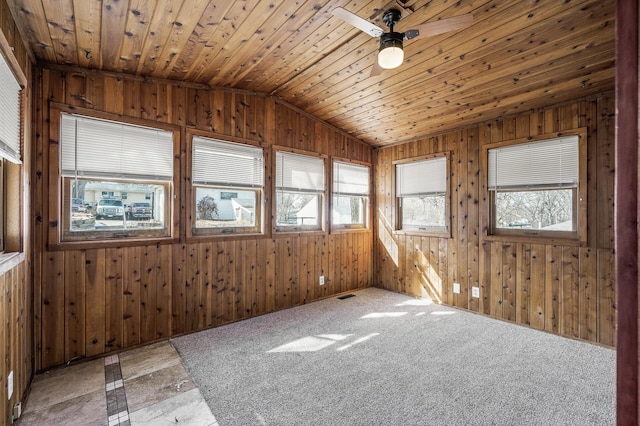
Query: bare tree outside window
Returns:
{"type": "Point", "coordinates": [534, 209]}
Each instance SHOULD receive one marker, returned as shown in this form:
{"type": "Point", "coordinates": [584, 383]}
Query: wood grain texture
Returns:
{"type": "Point", "coordinates": [18, 318]}
{"type": "Point", "coordinates": [146, 291]}
{"type": "Point", "coordinates": [514, 57]}
{"type": "Point", "coordinates": [563, 289]}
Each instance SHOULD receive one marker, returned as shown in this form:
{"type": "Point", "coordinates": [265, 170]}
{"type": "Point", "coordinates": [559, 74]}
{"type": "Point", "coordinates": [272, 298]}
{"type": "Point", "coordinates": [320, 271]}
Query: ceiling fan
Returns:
{"type": "Point", "coordinates": [391, 53]}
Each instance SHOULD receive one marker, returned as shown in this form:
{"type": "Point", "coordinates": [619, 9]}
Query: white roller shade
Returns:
{"type": "Point", "coordinates": [422, 177]}
{"type": "Point", "coordinates": [350, 179]}
{"type": "Point", "coordinates": [295, 172]}
{"type": "Point", "coordinates": [551, 163]}
{"type": "Point", "coordinates": [91, 147]}
{"type": "Point", "coordinates": [9, 113]}
{"type": "Point", "coordinates": [227, 164]}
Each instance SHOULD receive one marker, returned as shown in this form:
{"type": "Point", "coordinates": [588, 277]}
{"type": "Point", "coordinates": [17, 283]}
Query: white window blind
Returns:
{"type": "Point", "coordinates": [227, 164]}
{"type": "Point", "coordinates": [422, 177]}
{"type": "Point", "coordinates": [302, 173]}
{"type": "Point", "coordinates": [9, 114]}
{"type": "Point", "coordinates": [551, 163]}
{"type": "Point", "coordinates": [350, 179]}
{"type": "Point", "coordinates": [91, 147]}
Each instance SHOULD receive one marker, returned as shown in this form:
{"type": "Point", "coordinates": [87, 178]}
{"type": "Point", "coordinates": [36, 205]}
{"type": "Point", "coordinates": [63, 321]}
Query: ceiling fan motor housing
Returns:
{"type": "Point", "coordinates": [391, 40]}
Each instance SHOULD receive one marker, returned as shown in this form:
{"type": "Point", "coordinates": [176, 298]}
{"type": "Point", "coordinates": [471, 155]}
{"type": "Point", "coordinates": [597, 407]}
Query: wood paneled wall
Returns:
{"type": "Point", "coordinates": [16, 295]}
{"type": "Point", "coordinates": [564, 289]}
{"type": "Point", "coordinates": [90, 301]}
{"type": "Point", "coordinates": [16, 336]}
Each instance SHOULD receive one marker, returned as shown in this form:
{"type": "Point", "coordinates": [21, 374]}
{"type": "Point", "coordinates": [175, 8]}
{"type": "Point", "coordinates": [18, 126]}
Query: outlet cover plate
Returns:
{"type": "Point", "coordinates": [321, 279]}
{"type": "Point", "coordinates": [475, 292]}
{"type": "Point", "coordinates": [456, 288]}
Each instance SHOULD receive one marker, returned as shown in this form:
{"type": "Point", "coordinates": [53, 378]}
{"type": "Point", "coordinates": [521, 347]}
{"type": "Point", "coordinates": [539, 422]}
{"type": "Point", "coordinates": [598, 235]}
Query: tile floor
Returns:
{"type": "Point", "coordinates": [147, 385]}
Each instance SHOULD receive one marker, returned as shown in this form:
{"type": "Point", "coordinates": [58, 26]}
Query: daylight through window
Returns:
{"type": "Point", "coordinates": [299, 191]}
{"type": "Point", "coordinates": [228, 181]}
{"type": "Point", "coordinates": [350, 201]}
{"type": "Point", "coordinates": [534, 187]}
{"type": "Point", "coordinates": [117, 179]}
{"type": "Point", "coordinates": [10, 160]}
{"type": "Point", "coordinates": [421, 191]}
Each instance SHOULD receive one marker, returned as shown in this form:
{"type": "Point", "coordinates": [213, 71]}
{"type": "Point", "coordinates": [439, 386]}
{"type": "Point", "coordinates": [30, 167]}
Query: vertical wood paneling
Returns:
{"type": "Point", "coordinates": [146, 292]}
{"type": "Point", "coordinates": [114, 298]}
{"type": "Point", "coordinates": [132, 295]}
{"type": "Point", "coordinates": [552, 288]}
{"type": "Point", "coordinates": [19, 314]}
{"type": "Point", "coordinates": [588, 294]}
{"type": "Point", "coordinates": [563, 289]}
{"type": "Point", "coordinates": [95, 301]}
{"type": "Point", "coordinates": [148, 281]}
{"type": "Point", "coordinates": [74, 304]}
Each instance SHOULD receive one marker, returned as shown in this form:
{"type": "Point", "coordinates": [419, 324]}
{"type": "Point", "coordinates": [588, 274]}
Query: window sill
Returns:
{"type": "Point", "coordinates": [297, 232]}
{"type": "Point", "coordinates": [532, 239]}
{"type": "Point", "coordinates": [425, 233]}
{"type": "Point", "coordinates": [9, 261]}
{"type": "Point", "coordinates": [95, 244]}
{"type": "Point", "coordinates": [340, 230]}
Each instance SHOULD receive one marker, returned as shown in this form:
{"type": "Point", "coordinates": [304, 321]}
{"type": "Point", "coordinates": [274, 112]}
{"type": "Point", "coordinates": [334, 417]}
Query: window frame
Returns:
{"type": "Point", "coordinates": [12, 214]}
{"type": "Point", "coordinates": [367, 203]}
{"type": "Point", "coordinates": [444, 231]}
{"type": "Point", "coordinates": [231, 232]}
{"type": "Point", "coordinates": [579, 196]}
{"type": "Point", "coordinates": [59, 216]}
{"type": "Point", "coordinates": [322, 202]}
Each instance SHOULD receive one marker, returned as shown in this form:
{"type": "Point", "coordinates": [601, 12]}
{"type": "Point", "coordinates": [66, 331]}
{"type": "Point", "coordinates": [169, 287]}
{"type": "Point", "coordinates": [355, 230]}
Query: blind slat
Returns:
{"type": "Point", "coordinates": [296, 172]}
{"type": "Point", "coordinates": [97, 148]}
{"type": "Point", "coordinates": [422, 177]}
{"type": "Point", "coordinates": [350, 179]}
{"type": "Point", "coordinates": [227, 164]}
{"type": "Point", "coordinates": [551, 163]}
{"type": "Point", "coordinates": [10, 113]}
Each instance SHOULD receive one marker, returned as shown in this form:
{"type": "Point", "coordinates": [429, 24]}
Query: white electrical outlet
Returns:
{"type": "Point", "coordinates": [10, 385]}
{"type": "Point", "coordinates": [475, 292]}
{"type": "Point", "coordinates": [321, 279]}
{"type": "Point", "coordinates": [456, 288]}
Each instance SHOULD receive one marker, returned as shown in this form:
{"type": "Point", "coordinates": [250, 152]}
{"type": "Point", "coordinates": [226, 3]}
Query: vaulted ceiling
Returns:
{"type": "Point", "coordinates": [517, 55]}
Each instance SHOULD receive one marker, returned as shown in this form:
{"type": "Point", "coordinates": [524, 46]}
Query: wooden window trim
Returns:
{"type": "Point", "coordinates": [577, 238]}
{"type": "Point", "coordinates": [440, 233]}
{"type": "Point", "coordinates": [289, 231]}
{"type": "Point", "coordinates": [54, 208]}
{"type": "Point", "coordinates": [351, 228]}
{"type": "Point", "coordinates": [200, 234]}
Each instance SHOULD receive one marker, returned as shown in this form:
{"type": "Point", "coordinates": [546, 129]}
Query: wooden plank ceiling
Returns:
{"type": "Point", "coordinates": [517, 55]}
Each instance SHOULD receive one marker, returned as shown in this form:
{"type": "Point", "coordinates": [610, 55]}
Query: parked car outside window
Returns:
{"type": "Point", "coordinates": [109, 208]}
{"type": "Point", "coordinates": [139, 211]}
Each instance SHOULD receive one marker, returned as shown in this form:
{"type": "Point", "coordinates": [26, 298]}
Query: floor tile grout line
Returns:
{"type": "Point", "coordinates": [117, 407]}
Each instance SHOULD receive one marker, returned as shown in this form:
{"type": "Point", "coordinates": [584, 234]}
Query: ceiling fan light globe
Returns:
{"type": "Point", "coordinates": [390, 57]}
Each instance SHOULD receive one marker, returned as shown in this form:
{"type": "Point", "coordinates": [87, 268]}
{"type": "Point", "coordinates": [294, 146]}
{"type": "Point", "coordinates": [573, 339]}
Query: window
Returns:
{"type": "Point", "coordinates": [350, 202]}
{"type": "Point", "coordinates": [107, 170]}
{"type": "Point", "coordinates": [227, 186]}
{"type": "Point", "coordinates": [10, 160]}
{"type": "Point", "coordinates": [422, 194]}
{"type": "Point", "coordinates": [299, 192]}
{"type": "Point", "coordinates": [534, 187]}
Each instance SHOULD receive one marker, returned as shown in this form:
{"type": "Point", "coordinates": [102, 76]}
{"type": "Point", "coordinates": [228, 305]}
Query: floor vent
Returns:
{"type": "Point", "coordinates": [346, 296]}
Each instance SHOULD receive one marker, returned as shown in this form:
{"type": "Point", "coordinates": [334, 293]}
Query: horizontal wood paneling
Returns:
{"type": "Point", "coordinates": [566, 290]}
{"type": "Point", "coordinates": [103, 299]}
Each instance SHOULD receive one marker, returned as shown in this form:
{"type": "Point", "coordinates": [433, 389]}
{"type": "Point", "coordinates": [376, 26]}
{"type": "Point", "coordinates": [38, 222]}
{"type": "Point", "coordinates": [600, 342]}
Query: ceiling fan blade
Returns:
{"type": "Point", "coordinates": [438, 27]}
{"type": "Point", "coordinates": [358, 22]}
{"type": "Point", "coordinates": [376, 69]}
